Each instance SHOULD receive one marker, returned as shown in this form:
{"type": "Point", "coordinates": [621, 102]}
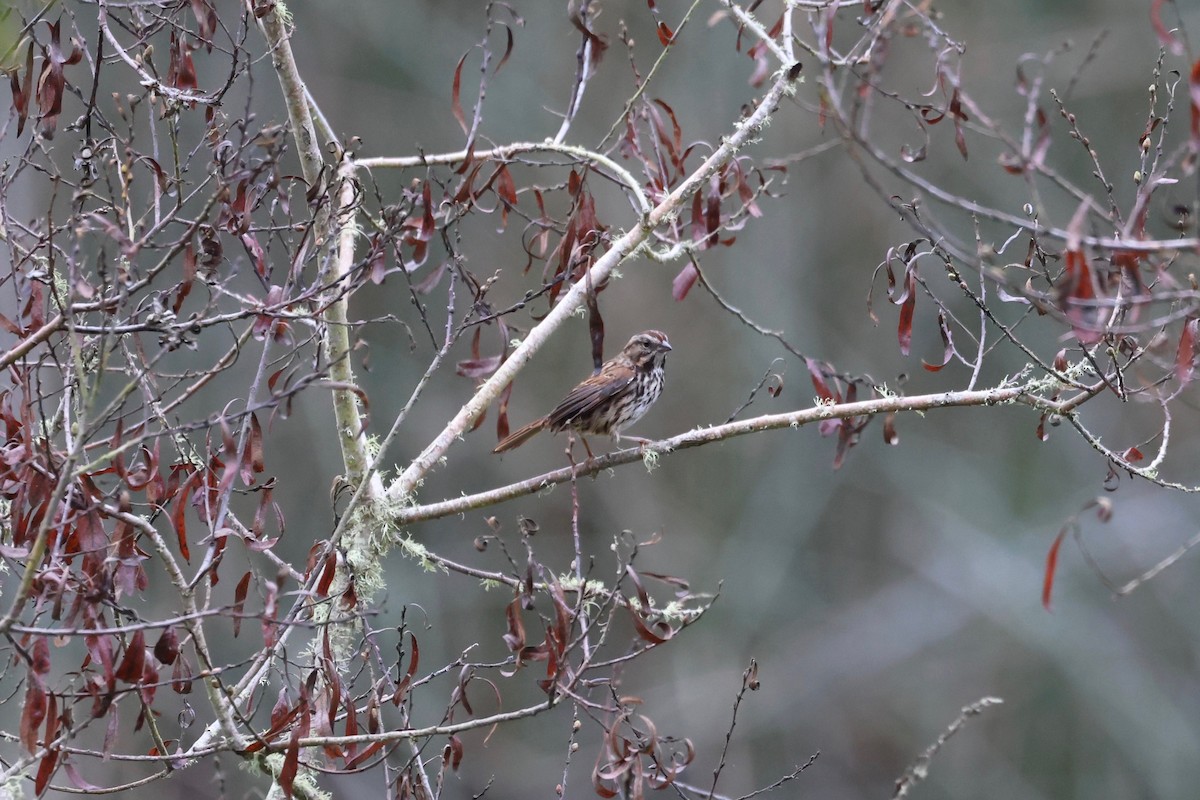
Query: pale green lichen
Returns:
{"type": "Point", "coordinates": [675, 611]}
{"type": "Point", "coordinates": [366, 541]}
{"type": "Point", "coordinates": [12, 789]}
{"type": "Point", "coordinates": [285, 14]}
{"type": "Point", "coordinates": [418, 552]}
{"type": "Point", "coordinates": [591, 588]}
{"type": "Point", "coordinates": [272, 763]}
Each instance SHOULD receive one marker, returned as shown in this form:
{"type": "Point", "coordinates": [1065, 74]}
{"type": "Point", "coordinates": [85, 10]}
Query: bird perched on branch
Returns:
{"type": "Point", "coordinates": [611, 400]}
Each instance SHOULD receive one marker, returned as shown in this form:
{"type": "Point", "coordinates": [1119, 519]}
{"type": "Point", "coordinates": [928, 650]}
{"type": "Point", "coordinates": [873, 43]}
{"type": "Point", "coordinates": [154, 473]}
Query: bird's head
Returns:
{"type": "Point", "coordinates": [648, 349]}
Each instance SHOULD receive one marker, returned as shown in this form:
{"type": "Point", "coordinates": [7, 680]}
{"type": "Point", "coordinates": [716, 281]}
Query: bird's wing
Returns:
{"type": "Point", "coordinates": [585, 397]}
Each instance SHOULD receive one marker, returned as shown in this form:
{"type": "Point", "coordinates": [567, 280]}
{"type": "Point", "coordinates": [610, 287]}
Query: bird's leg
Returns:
{"type": "Point", "coordinates": [571, 448]}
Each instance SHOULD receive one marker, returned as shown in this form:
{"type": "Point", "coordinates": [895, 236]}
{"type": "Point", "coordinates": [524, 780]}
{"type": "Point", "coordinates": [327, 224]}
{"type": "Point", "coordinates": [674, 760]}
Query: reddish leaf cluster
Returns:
{"type": "Point", "coordinates": [847, 429]}
{"type": "Point", "coordinates": [573, 255]}
{"type": "Point", "coordinates": [51, 81]}
{"type": "Point", "coordinates": [639, 759]}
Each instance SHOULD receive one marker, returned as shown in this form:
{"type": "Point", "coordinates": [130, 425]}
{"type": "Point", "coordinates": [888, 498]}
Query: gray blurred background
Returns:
{"type": "Point", "coordinates": [878, 599]}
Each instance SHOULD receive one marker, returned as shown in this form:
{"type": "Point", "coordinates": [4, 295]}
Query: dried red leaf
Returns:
{"type": "Point", "coordinates": [364, 755]}
{"type": "Point", "coordinates": [502, 427]}
{"type": "Point", "coordinates": [907, 307]}
{"type": "Point", "coordinates": [817, 373]}
{"type": "Point", "coordinates": [947, 345]}
{"type": "Point", "coordinates": [1079, 284]}
{"type": "Point", "coordinates": [256, 253]}
{"type": "Point", "coordinates": [1060, 360]}
{"type": "Point", "coordinates": [22, 90]}
{"type": "Point", "coordinates": [1078, 277]}
{"type": "Point", "coordinates": [51, 81]}
{"type": "Point", "coordinates": [761, 55]}
{"type": "Point", "coordinates": [291, 762]}
{"type": "Point", "coordinates": [1169, 41]}
{"type": "Point", "coordinates": [351, 729]}
{"type": "Point", "coordinates": [460, 691]}
{"type": "Point", "coordinates": [674, 142]}
{"type": "Point", "coordinates": [11, 327]}
{"type": "Point", "coordinates": [428, 223]}
{"type": "Point", "coordinates": [181, 70]}
{"type": "Point", "coordinates": [46, 768]}
{"type": "Point", "coordinates": [181, 501]}
{"type": "Point", "coordinates": [1185, 353]}
{"type": "Point", "coordinates": [252, 454]}
{"type": "Point", "coordinates": [414, 660]}
{"type": "Point", "coordinates": [377, 261]}
{"type": "Point", "coordinates": [166, 649]}
{"type": "Point", "coordinates": [181, 677]}
{"type": "Point", "coordinates": [281, 712]}
{"type": "Point", "coordinates": [206, 21]}
{"type": "Point", "coordinates": [508, 48]}
{"type": "Point", "coordinates": [328, 573]}
{"type": "Point", "coordinates": [32, 714]}
{"type": "Point", "coordinates": [39, 656]}
{"type": "Point", "coordinates": [712, 212]}
{"type": "Point", "coordinates": [578, 14]}
{"type": "Point", "coordinates": [1052, 567]}
{"type": "Point", "coordinates": [239, 603]}
{"type": "Point", "coordinates": [662, 632]}
{"type": "Point", "coordinates": [78, 781]}
{"type": "Point", "coordinates": [453, 754]}
{"type": "Point", "coordinates": [148, 681]}
{"type": "Point", "coordinates": [1194, 92]}
{"type": "Point", "coordinates": [506, 190]}
{"type": "Point", "coordinates": [455, 102]}
{"type": "Point", "coordinates": [144, 470]}
{"type": "Point", "coordinates": [53, 720]}
{"type": "Point", "coordinates": [265, 322]}
{"type": "Point", "coordinates": [132, 664]}
{"type": "Point", "coordinates": [477, 367]}
{"type": "Point", "coordinates": [889, 429]}
{"type": "Point", "coordinates": [514, 637]}
{"type": "Point", "coordinates": [265, 503]}
{"type": "Point", "coordinates": [959, 137]}
{"type": "Point", "coordinates": [211, 249]}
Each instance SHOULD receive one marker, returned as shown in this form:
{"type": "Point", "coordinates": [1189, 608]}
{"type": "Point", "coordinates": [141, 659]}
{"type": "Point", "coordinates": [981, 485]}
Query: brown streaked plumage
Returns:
{"type": "Point", "coordinates": [611, 400]}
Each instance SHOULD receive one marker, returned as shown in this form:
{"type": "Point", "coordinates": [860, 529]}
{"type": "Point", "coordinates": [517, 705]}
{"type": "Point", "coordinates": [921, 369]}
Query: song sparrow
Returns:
{"type": "Point", "coordinates": [611, 400]}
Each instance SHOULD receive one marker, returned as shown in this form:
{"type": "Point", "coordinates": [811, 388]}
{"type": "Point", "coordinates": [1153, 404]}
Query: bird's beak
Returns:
{"type": "Point", "coordinates": [664, 345]}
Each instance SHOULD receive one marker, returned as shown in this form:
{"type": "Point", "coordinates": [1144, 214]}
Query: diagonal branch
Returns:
{"type": "Point", "coordinates": [744, 132]}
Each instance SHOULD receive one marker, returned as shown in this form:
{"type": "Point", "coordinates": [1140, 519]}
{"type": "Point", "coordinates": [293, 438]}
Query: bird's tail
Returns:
{"type": "Point", "coordinates": [520, 436]}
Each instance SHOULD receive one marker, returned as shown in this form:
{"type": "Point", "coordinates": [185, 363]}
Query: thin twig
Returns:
{"type": "Point", "coordinates": [919, 769]}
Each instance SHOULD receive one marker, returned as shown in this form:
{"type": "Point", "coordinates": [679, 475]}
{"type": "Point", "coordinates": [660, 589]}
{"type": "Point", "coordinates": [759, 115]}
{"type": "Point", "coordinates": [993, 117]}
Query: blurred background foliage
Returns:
{"type": "Point", "coordinates": [878, 599]}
